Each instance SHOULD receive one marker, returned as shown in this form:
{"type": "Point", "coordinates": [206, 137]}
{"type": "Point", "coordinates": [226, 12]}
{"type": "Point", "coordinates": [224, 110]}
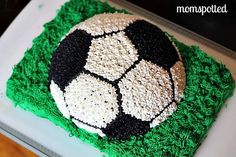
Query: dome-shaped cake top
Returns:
{"type": "Point", "coordinates": [116, 75]}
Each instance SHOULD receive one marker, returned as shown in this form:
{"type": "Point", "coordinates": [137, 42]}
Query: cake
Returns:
{"type": "Point", "coordinates": [119, 83]}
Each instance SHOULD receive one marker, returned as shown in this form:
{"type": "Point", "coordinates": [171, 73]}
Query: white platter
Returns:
{"type": "Point", "coordinates": [46, 139]}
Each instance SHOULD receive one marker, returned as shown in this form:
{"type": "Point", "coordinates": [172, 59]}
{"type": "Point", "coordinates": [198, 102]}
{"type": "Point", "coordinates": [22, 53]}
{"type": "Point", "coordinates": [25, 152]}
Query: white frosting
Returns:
{"type": "Point", "coordinates": [179, 78]}
{"type": "Point", "coordinates": [91, 100]}
{"type": "Point", "coordinates": [106, 23]}
{"type": "Point", "coordinates": [88, 128]}
{"type": "Point", "coordinates": [163, 116]}
{"type": "Point", "coordinates": [58, 96]}
{"type": "Point", "coordinates": [111, 56]}
{"type": "Point", "coordinates": [145, 90]}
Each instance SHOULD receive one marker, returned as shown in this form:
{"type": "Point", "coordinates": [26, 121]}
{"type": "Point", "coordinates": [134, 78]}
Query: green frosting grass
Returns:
{"type": "Point", "coordinates": [209, 84]}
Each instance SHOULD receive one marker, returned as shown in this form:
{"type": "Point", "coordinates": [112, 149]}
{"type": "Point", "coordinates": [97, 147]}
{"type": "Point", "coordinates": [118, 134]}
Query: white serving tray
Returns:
{"type": "Point", "coordinates": [46, 139]}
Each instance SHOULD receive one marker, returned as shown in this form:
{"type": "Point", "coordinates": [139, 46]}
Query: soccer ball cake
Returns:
{"type": "Point", "coordinates": [116, 75]}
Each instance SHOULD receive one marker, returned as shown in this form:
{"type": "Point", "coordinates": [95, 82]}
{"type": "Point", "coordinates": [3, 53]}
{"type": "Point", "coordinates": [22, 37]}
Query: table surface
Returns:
{"type": "Point", "coordinates": [43, 137]}
{"type": "Point", "coordinates": [9, 148]}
